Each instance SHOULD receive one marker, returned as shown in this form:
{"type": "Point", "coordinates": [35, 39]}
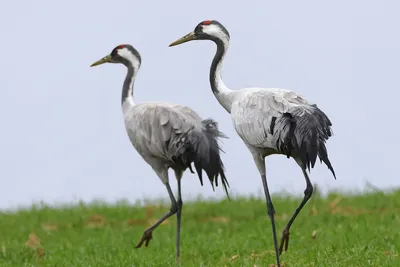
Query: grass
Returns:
{"type": "Point", "coordinates": [339, 230]}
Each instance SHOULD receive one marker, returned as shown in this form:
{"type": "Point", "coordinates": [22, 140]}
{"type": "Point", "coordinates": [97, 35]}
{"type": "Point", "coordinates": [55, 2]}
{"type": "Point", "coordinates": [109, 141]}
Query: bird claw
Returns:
{"type": "Point", "coordinates": [284, 240]}
{"type": "Point", "coordinates": [147, 236]}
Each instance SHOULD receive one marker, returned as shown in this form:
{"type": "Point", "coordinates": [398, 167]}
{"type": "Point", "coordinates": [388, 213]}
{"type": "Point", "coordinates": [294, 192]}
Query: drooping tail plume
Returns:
{"type": "Point", "coordinates": [306, 132]}
{"type": "Point", "coordinates": [201, 147]}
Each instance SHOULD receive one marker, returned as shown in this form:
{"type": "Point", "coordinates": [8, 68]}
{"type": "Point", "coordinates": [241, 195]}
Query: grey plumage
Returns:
{"type": "Point", "coordinates": [311, 131]}
{"type": "Point", "coordinates": [167, 136]}
{"type": "Point", "coordinates": [269, 121]}
{"type": "Point", "coordinates": [279, 121]}
{"type": "Point", "coordinates": [202, 148]}
{"type": "Point", "coordinates": [174, 136]}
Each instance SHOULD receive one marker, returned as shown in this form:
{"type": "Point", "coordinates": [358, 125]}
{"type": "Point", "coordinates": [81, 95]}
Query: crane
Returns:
{"type": "Point", "coordinates": [269, 121]}
{"type": "Point", "coordinates": [167, 136]}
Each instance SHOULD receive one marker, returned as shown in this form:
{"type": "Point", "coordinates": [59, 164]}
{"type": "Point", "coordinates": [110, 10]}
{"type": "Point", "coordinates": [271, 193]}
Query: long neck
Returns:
{"type": "Point", "coordinates": [127, 89]}
{"type": "Point", "coordinates": [223, 94]}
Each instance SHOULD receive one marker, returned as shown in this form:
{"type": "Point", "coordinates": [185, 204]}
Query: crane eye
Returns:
{"type": "Point", "coordinates": [199, 28]}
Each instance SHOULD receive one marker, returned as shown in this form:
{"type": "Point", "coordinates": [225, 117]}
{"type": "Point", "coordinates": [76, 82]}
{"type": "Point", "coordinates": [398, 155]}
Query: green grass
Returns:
{"type": "Point", "coordinates": [358, 230]}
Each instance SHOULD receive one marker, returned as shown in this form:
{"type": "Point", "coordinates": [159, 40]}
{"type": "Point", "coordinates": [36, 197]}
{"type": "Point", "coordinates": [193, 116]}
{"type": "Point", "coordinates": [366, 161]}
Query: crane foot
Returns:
{"type": "Point", "coordinates": [284, 240]}
{"type": "Point", "coordinates": [147, 236]}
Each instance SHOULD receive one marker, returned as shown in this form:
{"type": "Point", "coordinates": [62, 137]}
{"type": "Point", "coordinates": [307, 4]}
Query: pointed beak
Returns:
{"type": "Point", "coordinates": [106, 59]}
{"type": "Point", "coordinates": [188, 37]}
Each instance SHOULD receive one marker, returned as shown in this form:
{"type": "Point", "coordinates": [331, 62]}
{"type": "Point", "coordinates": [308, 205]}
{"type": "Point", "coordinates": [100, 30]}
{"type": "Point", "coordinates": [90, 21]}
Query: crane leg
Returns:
{"type": "Point", "coordinates": [147, 235]}
{"type": "Point", "coordinates": [178, 216]}
{"type": "Point", "coordinates": [271, 212]}
{"type": "Point", "coordinates": [307, 195]}
{"type": "Point", "coordinates": [259, 160]}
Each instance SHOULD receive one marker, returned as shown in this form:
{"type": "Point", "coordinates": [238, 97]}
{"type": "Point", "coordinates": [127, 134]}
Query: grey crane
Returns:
{"type": "Point", "coordinates": [269, 121]}
{"type": "Point", "coordinates": [167, 136]}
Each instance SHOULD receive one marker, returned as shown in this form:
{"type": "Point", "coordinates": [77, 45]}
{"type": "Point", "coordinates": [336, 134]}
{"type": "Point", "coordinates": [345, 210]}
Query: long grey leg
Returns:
{"type": "Point", "coordinates": [147, 235]}
{"type": "Point", "coordinates": [178, 215]}
{"type": "Point", "coordinates": [307, 195]}
{"type": "Point", "coordinates": [260, 162]}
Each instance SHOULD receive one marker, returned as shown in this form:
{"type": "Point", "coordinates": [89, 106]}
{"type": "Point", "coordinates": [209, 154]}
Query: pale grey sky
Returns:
{"type": "Point", "coordinates": [63, 136]}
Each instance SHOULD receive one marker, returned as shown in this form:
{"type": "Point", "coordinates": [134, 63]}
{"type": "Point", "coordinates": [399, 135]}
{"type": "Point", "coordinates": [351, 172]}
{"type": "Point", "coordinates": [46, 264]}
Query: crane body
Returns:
{"type": "Point", "coordinates": [167, 136]}
{"type": "Point", "coordinates": [269, 121]}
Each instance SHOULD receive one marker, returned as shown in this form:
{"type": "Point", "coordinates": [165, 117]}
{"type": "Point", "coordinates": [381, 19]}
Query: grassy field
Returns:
{"type": "Point", "coordinates": [339, 230]}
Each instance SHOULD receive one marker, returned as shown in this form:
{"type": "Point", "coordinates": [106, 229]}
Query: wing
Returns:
{"type": "Point", "coordinates": [283, 121]}
{"type": "Point", "coordinates": [151, 126]}
{"type": "Point", "coordinates": [257, 114]}
{"type": "Point", "coordinates": [177, 134]}
{"type": "Point", "coordinates": [189, 113]}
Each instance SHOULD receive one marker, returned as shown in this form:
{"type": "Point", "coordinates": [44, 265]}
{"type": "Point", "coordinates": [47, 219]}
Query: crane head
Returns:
{"type": "Point", "coordinates": [124, 54]}
{"type": "Point", "coordinates": [206, 30]}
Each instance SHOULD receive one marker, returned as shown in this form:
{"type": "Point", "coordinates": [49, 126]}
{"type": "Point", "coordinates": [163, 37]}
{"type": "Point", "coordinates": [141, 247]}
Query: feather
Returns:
{"type": "Point", "coordinates": [175, 136]}
{"type": "Point", "coordinates": [201, 147]}
{"type": "Point", "coordinates": [282, 121]}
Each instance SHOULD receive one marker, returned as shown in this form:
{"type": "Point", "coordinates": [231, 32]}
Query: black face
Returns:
{"type": "Point", "coordinates": [114, 54]}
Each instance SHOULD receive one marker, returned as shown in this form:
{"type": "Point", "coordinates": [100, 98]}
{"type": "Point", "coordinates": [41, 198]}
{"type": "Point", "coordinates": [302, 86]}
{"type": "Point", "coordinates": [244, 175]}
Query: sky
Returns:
{"type": "Point", "coordinates": [63, 138]}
